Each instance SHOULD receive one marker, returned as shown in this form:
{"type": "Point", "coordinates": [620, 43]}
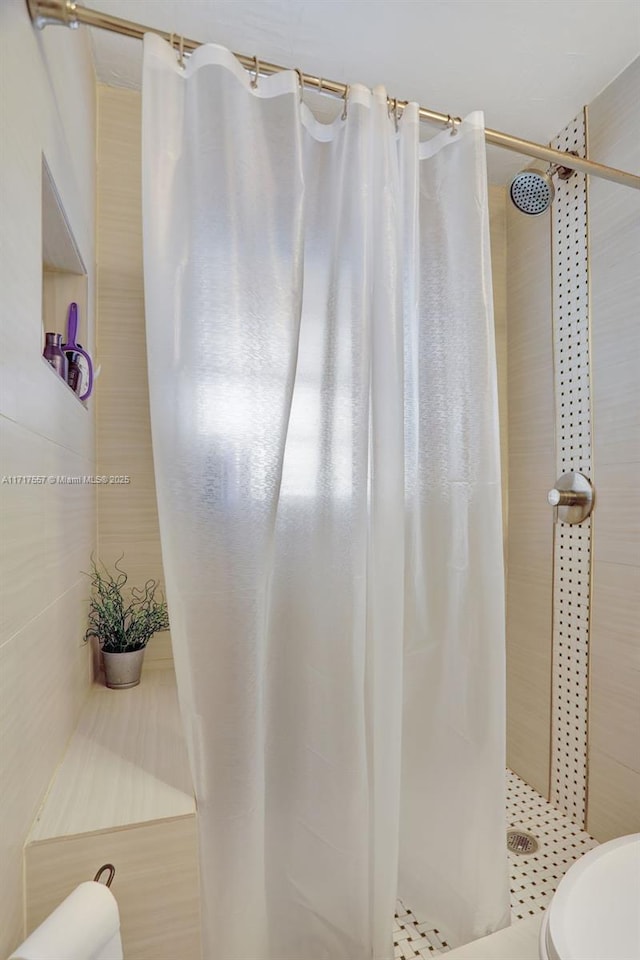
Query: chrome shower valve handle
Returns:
{"type": "Point", "coordinates": [573, 498]}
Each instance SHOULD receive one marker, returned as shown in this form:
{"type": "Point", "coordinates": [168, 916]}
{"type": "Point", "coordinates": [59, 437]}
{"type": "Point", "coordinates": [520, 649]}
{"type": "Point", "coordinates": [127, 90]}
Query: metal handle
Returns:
{"type": "Point", "coordinates": [567, 498]}
{"type": "Point", "coordinates": [573, 497]}
{"type": "Point", "coordinates": [112, 872]}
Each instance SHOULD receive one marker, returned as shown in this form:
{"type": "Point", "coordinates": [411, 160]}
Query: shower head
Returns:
{"type": "Point", "coordinates": [532, 191]}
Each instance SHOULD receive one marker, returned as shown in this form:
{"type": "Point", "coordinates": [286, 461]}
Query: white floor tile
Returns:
{"type": "Point", "coordinates": [533, 877]}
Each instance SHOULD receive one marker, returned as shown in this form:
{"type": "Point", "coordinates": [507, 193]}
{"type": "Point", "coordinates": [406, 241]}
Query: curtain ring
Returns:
{"type": "Point", "coordinates": [392, 110]}
{"type": "Point", "coordinates": [256, 67]}
{"type": "Point", "coordinates": [321, 81]}
{"type": "Point", "coordinates": [177, 44]}
{"type": "Point", "coordinates": [345, 98]}
{"type": "Point", "coordinates": [453, 123]}
{"type": "Point", "coordinates": [301, 82]}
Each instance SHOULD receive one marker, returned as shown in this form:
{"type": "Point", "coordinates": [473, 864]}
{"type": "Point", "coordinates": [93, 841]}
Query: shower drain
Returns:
{"type": "Point", "coordinates": [520, 842]}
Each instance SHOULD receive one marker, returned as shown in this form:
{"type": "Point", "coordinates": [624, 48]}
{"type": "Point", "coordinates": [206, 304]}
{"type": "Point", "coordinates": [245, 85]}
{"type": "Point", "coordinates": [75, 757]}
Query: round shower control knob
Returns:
{"type": "Point", "coordinates": [573, 496]}
{"type": "Point", "coordinates": [566, 498]}
{"type": "Point", "coordinates": [554, 497]}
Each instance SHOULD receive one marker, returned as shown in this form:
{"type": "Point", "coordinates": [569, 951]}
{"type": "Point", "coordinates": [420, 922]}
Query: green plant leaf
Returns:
{"type": "Point", "coordinates": [123, 619]}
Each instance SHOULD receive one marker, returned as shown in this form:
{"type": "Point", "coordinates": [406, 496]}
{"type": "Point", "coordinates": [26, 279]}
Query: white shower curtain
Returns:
{"type": "Point", "coordinates": [323, 401]}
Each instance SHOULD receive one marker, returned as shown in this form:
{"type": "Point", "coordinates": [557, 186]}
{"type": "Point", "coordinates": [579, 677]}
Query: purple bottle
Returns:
{"type": "Point", "coordinates": [53, 354]}
{"type": "Point", "coordinates": [72, 347]}
{"type": "Point", "coordinates": [74, 373]}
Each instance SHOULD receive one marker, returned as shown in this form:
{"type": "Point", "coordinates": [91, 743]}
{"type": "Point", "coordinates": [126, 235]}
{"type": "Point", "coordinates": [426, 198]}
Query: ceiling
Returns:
{"type": "Point", "coordinates": [529, 64]}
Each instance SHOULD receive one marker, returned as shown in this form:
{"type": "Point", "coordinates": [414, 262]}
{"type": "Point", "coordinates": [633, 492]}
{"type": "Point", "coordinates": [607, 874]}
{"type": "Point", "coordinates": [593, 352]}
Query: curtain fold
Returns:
{"type": "Point", "coordinates": [324, 419]}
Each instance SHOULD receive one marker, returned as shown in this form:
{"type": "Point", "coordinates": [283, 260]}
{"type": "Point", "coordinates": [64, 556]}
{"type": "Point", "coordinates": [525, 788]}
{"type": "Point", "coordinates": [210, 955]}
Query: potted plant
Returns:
{"type": "Point", "coordinates": [123, 620]}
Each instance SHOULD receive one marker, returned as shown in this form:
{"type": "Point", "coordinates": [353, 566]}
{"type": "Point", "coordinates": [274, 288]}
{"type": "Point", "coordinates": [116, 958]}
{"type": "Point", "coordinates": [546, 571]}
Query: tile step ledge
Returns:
{"type": "Point", "coordinates": [125, 764]}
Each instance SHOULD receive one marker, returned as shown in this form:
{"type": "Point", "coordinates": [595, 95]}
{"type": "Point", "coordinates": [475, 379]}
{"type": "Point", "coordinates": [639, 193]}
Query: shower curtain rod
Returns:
{"type": "Point", "coordinates": [67, 13]}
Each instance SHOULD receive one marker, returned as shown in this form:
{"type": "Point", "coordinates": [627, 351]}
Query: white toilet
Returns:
{"type": "Point", "coordinates": [595, 912]}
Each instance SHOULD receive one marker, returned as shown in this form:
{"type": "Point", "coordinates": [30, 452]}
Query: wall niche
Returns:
{"type": "Point", "coordinates": [64, 275]}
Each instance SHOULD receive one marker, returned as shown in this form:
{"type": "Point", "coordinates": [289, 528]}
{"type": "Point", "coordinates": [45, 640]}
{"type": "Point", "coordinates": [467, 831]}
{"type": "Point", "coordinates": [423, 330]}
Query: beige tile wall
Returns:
{"type": "Point", "coordinates": [127, 514]}
{"type": "Point", "coordinates": [614, 225]}
{"type": "Point", "coordinates": [614, 696]}
{"type": "Point", "coordinates": [123, 795]}
{"type": "Point", "coordinates": [156, 883]}
{"type": "Point", "coordinates": [47, 531]}
{"type": "Point", "coordinates": [531, 473]}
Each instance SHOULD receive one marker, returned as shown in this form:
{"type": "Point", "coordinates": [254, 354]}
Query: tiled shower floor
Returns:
{"type": "Point", "coordinates": [533, 878]}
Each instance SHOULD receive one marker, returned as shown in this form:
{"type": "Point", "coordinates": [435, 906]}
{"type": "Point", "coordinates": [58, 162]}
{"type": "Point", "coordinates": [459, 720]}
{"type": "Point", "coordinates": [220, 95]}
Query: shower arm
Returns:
{"type": "Point", "coordinates": [45, 13]}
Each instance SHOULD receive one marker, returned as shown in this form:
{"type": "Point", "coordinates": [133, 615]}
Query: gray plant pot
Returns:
{"type": "Point", "coordinates": [123, 670]}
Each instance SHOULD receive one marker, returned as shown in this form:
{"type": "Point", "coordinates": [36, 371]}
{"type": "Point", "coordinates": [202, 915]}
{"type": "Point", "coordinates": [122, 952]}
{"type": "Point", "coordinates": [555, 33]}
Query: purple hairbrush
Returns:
{"type": "Point", "coordinates": [71, 345]}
